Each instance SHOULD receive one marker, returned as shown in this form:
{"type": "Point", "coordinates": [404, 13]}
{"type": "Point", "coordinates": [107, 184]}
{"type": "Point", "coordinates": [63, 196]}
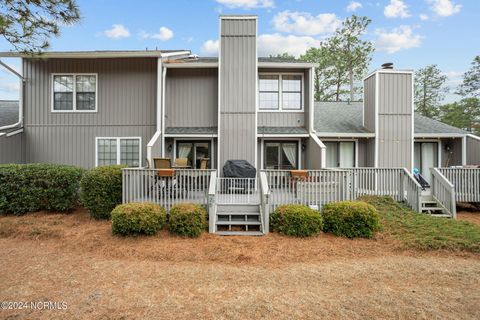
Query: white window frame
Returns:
{"type": "Point", "coordinates": [280, 91]}
{"type": "Point", "coordinates": [118, 148]}
{"type": "Point", "coordinates": [74, 75]}
{"type": "Point", "coordinates": [347, 140]}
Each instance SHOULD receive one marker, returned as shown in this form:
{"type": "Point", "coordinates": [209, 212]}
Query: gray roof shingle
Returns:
{"type": "Point", "coordinates": [282, 130]}
{"type": "Point", "coordinates": [191, 130]}
{"type": "Point", "coordinates": [345, 117]}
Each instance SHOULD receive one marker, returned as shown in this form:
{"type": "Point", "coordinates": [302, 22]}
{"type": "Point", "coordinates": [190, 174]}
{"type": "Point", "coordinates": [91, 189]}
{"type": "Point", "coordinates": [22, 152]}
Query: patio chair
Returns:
{"type": "Point", "coordinates": [162, 163]}
{"type": "Point", "coordinates": [181, 162]}
{"type": "Point", "coordinates": [296, 176]}
{"type": "Point", "coordinates": [204, 163]}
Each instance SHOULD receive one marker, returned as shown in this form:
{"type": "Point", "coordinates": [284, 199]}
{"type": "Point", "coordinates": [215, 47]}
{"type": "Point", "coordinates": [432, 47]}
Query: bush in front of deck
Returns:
{"type": "Point", "coordinates": [351, 219]}
{"type": "Point", "coordinates": [138, 218]}
{"type": "Point", "coordinates": [188, 220]}
{"type": "Point", "coordinates": [33, 187]}
{"type": "Point", "coordinates": [101, 190]}
{"type": "Point", "coordinates": [296, 220]}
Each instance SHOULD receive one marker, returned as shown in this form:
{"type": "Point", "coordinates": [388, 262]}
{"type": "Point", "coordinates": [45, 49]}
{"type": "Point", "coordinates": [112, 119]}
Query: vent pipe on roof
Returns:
{"type": "Point", "coordinates": [387, 65]}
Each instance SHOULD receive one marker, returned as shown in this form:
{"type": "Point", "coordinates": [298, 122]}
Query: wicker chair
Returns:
{"type": "Point", "coordinates": [181, 162]}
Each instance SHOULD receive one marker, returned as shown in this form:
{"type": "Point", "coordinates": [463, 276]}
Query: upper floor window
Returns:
{"type": "Point", "coordinates": [74, 93]}
{"type": "Point", "coordinates": [280, 92]}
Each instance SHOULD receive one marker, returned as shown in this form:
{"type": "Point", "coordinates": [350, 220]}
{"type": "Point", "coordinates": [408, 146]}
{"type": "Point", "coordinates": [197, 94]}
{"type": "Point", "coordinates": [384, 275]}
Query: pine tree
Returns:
{"type": "Point", "coordinates": [429, 91]}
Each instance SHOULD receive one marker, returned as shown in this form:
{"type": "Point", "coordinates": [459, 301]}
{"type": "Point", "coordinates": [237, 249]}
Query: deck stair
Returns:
{"type": "Point", "coordinates": [238, 219]}
{"type": "Point", "coordinates": [430, 206]}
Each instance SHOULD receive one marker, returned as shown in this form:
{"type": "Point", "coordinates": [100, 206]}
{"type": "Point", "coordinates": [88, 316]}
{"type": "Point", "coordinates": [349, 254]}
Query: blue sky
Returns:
{"type": "Point", "coordinates": [409, 33]}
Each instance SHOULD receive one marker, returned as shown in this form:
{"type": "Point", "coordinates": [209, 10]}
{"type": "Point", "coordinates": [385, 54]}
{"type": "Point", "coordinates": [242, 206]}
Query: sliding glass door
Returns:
{"type": "Point", "coordinates": [194, 151]}
{"type": "Point", "coordinates": [426, 157]}
{"type": "Point", "coordinates": [340, 154]}
{"type": "Point", "coordinates": [281, 155]}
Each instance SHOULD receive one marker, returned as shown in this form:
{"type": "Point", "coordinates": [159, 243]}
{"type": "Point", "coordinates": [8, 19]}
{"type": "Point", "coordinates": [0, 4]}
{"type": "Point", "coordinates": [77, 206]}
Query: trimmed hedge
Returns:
{"type": "Point", "coordinates": [188, 219]}
{"type": "Point", "coordinates": [138, 218]}
{"type": "Point", "coordinates": [101, 190]}
{"type": "Point", "coordinates": [33, 187]}
{"type": "Point", "coordinates": [351, 219]}
{"type": "Point", "coordinates": [296, 220]}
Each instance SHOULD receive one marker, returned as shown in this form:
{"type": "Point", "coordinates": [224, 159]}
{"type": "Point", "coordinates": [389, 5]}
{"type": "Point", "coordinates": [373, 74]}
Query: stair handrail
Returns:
{"type": "Point", "coordinates": [264, 202]}
{"type": "Point", "coordinates": [411, 185]}
{"type": "Point", "coordinates": [443, 191]}
{"type": "Point", "coordinates": [212, 203]}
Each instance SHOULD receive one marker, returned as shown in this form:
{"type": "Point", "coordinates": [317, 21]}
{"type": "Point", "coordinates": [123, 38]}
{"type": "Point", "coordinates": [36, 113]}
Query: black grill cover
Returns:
{"type": "Point", "coordinates": [239, 169]}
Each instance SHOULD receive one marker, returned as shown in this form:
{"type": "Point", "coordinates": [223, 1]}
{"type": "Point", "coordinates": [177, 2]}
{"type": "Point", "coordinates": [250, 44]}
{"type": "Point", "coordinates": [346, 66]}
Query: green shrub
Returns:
{"type": "Point", "coordinates": [33, 187]}
{"type": "Point", "coordinates": [138, 218]}
{"type": "Point", "coordinates": [351, 219]}
{"type": "Point", "coordinates": [188, 219]}
{"type": "Point", "coordinates": [101, 190]}
{"type": "Point", "coordinates": [296, 220]}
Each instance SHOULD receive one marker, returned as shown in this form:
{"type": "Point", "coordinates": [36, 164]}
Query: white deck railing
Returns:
{"type": "Point", "coordinates": [148, 185]}
{"type": "Point", "coordinates": [319, 188]}
{"type": "Point", "coordinates": [443, 192]}
{"type": "Point", "coordinates": [237, 191]}
{"type": "Point", "coordinates": [378, 181]}
{"type": "Point", "coordinates": [212, 202]}
{"type": "Point", "coordinates": [264, 202]}
{"type": "Point", "coordinates": [412, 191]}
{"type": "Point", "coordinates": [466, 182]}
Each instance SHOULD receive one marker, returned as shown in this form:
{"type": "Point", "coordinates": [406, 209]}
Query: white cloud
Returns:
{"type": "Point", "coordinates": [270, 44]}
{"type": "Point", "coordinates": [163, 34]}
{"type": "Point", "coordinates": [444, 8]}
{"type": "Point", "coordinates": [247, 4]}
{"type": "Point", "coordinates": [277, 44]}
{"type": "Point", "coordinates": [424, 17]}
{"type": "Point", "coordinates": [210, 47]}
{"type": "Point", "coordinates": [303, 23]}
{"type": "Point", "coordinates": [353, 6]}
{"type": "Point", "coordinates": [118, 31]}
{"type": "Point", "coordinates": [454, 78]}
{"type": "Point", "coordinates": [398, 39]}
{"type": "Point", "coordinates": [396, 9]}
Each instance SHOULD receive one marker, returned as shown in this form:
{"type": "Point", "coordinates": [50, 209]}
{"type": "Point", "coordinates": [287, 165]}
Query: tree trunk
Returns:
{"type": "Point", "coordinates": [350, 74]}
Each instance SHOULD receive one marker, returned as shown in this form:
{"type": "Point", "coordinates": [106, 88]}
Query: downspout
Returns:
{"type": "Point", "coordinates": [164, 74]}
{"type": "Point", "coordinates": [19, 123]}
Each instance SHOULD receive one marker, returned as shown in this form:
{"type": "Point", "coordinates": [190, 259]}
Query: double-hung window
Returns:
{"type": "Point", "coordinates": [74, 93]}
{"type": "Point", "coordinates": [111, 151]}
{"type": "Point", "coordinates": [280, 92]}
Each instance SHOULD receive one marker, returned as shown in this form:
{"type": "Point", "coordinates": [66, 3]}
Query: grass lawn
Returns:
{"type": "Point", "coordinates": [423, 231]}
{"type": "Point", "coordinates": [74, 259]}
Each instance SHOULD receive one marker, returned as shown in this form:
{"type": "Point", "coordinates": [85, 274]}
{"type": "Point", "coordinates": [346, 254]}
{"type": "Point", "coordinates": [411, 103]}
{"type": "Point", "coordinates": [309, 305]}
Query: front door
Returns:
{"type": "Point", "coordinates": [426, 157]}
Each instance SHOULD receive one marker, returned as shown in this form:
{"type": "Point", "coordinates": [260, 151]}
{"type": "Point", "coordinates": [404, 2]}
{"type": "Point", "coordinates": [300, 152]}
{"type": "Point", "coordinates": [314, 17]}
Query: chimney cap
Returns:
{"type": "Point", "coordinates": [387, 65]}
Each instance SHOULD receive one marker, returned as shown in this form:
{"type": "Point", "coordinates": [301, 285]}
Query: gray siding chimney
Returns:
{"type": "Point", "coordinates": [237, 89]}
{"type": "Point", "coordinates": [388, 111]}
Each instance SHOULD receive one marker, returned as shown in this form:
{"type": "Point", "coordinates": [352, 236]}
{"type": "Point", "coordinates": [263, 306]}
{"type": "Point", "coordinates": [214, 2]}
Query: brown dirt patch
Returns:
{"type": "Point", "coordinates": [75, 259]}
{"type": "Point", "coordinates": [473, 217]}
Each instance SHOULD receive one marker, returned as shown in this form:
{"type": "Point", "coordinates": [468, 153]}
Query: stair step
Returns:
{"type": "Point", "coordinates": [442, 215]}
{"type": "Point", "coordinates": [238, 208]}
{"type": "Point", "coordinates": [433, 208]}
{"type": "Point", "coordinates": [238, 213]}
{"type": "Point", "coordinates": [429, 201]}
{"type": "Point", "coordinates": [239, 233]}
{"type": "Point", "coordinates": [240, 223]}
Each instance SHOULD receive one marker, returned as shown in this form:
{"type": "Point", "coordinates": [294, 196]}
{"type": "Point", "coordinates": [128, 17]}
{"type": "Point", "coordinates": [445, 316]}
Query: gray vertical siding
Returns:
{"type": "Point", "coordinates": [12, 149]}
{"type": "Point", "coordinates": [473, 151]}
{"type": "Point", "coordinates": [395, 140]}
{"type": "Point", "coordinates": [454, 157]}
{"type": "Point", "coordinates": [369, 103]}
{"type": "Point", "coordinates": [313, 158]}
{"type": "Point", "coordinates": [362, 152]}
{"type": "Point", "coordinates": [191, 98]}
{"type": "Point", "coordinates": [126, 107]}
{"type": "Point", "coordinates": [237, 130]}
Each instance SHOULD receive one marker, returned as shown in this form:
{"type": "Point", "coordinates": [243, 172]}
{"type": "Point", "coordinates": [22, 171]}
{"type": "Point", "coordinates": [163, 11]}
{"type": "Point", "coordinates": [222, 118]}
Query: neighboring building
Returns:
{"type": "Point", "coordinates": [111, 107]}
